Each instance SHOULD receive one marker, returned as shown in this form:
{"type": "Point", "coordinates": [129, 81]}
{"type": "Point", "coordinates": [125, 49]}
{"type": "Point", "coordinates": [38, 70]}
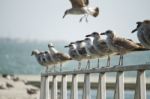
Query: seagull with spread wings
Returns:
{"type": "Point", "coordinates": [80, 7]}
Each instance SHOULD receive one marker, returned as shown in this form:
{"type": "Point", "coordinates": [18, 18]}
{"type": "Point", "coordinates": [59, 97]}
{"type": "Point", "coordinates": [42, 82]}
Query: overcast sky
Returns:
{"type": "Point", "coordinates": [42, 19]}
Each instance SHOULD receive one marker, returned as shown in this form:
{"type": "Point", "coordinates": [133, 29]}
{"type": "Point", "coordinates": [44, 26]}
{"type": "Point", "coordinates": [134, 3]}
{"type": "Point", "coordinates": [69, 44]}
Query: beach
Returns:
{"type": "Point", "coordinates": [16, 88]}
{"type": "Point", "coordinates": [20, 84]}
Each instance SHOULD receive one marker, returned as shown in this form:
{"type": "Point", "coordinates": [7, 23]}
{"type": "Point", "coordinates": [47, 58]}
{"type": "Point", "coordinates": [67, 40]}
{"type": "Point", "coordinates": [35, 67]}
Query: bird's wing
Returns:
{"type": "Point", "coordinates": [125, 43]}
{"type": "Point", "coordinates": [79, 3]}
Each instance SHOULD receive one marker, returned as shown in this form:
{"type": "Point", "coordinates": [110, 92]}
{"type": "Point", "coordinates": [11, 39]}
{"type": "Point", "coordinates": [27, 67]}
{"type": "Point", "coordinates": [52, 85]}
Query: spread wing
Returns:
{"type": "Point", "coordinates": [79, 3]}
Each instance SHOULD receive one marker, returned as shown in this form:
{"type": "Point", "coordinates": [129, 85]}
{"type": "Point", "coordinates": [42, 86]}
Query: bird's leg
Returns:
{"type": "Point", "coordinates": [60, 67]}
{"type": "Point", "coordinates": [82, 17]}
{"type": "Point", "coordinates": [86, 17]}
{"type": "Point", "coordinates": [108, 61]}
{"type": "Point", "coordinates": [120, 59]}
{"type": "Point", "coordinates": [79, 65]}
{"type": "Point", "coordinates": [88, 64]}
{"type": "Point", "coordinates": [46, 69]}
{"type": "Point", "coordinates": [98, 63]}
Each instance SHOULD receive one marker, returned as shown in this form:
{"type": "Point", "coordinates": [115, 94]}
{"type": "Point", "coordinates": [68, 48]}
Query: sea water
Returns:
{"type": "Point", "coordinates": [15, 58]}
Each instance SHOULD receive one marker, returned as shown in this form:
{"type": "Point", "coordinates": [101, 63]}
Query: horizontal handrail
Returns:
{"type": "Point", "coordinates": [116, 68]}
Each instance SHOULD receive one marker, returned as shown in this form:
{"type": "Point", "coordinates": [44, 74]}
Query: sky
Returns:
{"type": "Point", "coordinates": [42, 19]}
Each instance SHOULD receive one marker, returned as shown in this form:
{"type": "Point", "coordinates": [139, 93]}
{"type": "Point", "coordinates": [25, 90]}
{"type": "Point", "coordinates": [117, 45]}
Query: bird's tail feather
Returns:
{"type": "Point", "coordinates": [141, 49]}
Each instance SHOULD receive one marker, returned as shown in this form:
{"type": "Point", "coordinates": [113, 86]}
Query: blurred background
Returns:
{"type": "Point", "coordinates": [26, 25]}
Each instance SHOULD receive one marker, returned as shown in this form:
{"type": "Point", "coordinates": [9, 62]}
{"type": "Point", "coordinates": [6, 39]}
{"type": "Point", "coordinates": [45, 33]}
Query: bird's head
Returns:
{"type": "Point", "coordinates": [108, 33]}
{"type": "Point", "coordinates": [46, 52]}
{"type": "Point", "coordinates": [69, 45]}
{"type": "Point", "coordinates": [87, 39]}
{"type": "Point", "coordinates": [35, 52]}
{"type": "Point", "coordinates": [94, 34]}
{"type": "Point", "coordinates": [50, 45]}
{"type": "Point", "coordinates": [138, 25]}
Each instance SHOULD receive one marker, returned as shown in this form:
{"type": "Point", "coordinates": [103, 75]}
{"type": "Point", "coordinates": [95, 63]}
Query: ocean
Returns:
{"type": "Point", "coordinates": [15, 57]}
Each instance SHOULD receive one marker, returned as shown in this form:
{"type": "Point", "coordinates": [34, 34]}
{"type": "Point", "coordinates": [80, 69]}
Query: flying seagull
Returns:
{"type": "Point", "coordinates": [143, 32]}
{"type": "Point", "coordinates": [80, 7]}
{"type": "Point", "coordinates": [121, 45]}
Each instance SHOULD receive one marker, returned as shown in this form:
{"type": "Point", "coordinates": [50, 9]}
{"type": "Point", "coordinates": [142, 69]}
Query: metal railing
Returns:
{"type": "Point", "coordinates": [140, 88]}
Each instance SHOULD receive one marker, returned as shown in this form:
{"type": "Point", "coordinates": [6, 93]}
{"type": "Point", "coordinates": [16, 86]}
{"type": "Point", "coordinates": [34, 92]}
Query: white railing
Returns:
{"type": "Point", "coordinates": [140, 88]}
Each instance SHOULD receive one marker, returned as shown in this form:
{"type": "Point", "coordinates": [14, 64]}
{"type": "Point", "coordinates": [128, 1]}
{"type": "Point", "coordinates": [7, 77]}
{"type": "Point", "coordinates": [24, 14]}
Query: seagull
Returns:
{"type": "Point", "coordinates": [80, 7]}
{"type": "Point", "coordinates": [50, 59]}
{"type": "Point", "coordinates": [92, 52]}
{"type": "Point", "coordinates": [121, 45]}
{"type": "Point", "coordinates": [58, 56]}
{"type": "Point", "coordinates": [82, 52]}
{"type": "Point", "coordinates": [100, 46]}
{"type": "Point", "coordinates": [90, 48]}
{"type": "Point", "coordinates": [143, 32]}
{"type": "Point", "coordinates": [40, 57]}
{"type": "Point", "coordinates": [53, 52]}
{"type": "Point", "coordinates": [74, 53]}
{"type": "Point", "coordinates": [62, 58]}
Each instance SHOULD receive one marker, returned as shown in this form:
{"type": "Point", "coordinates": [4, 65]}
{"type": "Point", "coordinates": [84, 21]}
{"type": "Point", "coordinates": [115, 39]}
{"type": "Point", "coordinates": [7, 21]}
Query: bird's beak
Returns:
{"type": "Point", "coordinates": [66, 46]}
{"type": "Point", "coordinates": [134, 30]}
{"type": "Point", "coordinates": [103, 33]}
{"type": "Point", "coordinates": [138, 25]}
{"type": "Point", "coordinates": [88, 35]}
{"type": "Point", "coordinates": [81, 40]}
{"type": "Point", "coordinates": [32, 54]}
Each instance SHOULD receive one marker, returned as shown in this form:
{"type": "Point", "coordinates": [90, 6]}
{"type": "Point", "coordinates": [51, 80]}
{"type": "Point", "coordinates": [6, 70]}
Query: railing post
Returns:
{"type": "Point", "coordinates": [54, 87]}
{"type": "Point", "coordinates": [44, 91]}
{"type": "Point", "coordinates": [86, 87]}
{"type": "Point", "coordinates": [101, 91]}
{"type": "Point", "coordinates": [119, 90]}
{"type": "Point", "coordinates": [64, 87]}
{"type": "Point", "coordinates": [74, 87]}
{"type": "Point", "coordinates": [140, 91]}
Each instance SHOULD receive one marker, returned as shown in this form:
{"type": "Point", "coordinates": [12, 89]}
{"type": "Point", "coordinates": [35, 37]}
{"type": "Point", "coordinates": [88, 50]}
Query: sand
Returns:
{"type": "Point", "coordinates": [18, 91]}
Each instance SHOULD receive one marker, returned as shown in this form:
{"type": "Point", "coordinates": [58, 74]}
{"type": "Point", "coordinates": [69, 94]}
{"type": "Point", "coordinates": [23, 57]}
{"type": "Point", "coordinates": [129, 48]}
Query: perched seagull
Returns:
{"type": "Point", "coordinates": [53, 52]}
{"type": "Point", "coordinates": [143, 32]}
{"type": "Point", "coordinates": [121, 45]}
{"type": "Point", "coordinates": [80, 7]}
{"type": "Point", "coordinates": [58, 56]}
{"type": "Point", "coordinates": [40, 57]}
{"type": "Point", "coordinates": [90, 48]}
{"type": "Point", "coordinates": [50, 59]}
{"type": "Point", "coordinates": [100, 46]}
{"type": "Point", "coordinates": [62, 58]}
{"type": "Point", "coordinates": [92, 52]}
{"type": "Point", "coordinates": [74, 53]}
{"type": "Point", "coordinates": [82, 52]}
